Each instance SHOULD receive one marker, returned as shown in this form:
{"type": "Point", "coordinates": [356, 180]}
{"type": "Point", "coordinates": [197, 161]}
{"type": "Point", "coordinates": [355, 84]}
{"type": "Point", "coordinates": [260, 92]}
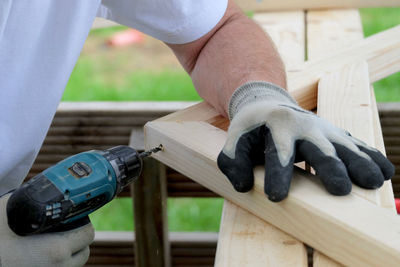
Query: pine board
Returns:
{"type": "Point", "coordinates": [192, 147]}
{"type": "Point", "coordinates": [244, 239]}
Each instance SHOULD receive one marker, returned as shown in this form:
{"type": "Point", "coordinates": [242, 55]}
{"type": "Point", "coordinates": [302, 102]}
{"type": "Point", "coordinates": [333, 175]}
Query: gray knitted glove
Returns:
{"type": "Point", "coordinates": [67, 249]}
{"type": "Point", "coordinates": [268, 127]}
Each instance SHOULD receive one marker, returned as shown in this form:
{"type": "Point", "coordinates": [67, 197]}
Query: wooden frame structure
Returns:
{"type": "Point", "coordinates": [244, 239]}
{"type": "Point", "coordinates": [193, 138]}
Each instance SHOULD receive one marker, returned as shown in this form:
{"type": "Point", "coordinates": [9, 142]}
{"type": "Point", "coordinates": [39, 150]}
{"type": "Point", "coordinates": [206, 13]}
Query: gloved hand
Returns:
{"type": "Point", "coordinates": [67, 249]}
{"type": "Point", "coordinates": [267, 126]}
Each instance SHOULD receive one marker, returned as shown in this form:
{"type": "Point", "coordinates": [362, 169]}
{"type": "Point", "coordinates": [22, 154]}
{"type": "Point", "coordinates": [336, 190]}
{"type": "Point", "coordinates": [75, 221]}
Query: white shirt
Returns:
{"type": "Point", "coordinates": [40, 41]}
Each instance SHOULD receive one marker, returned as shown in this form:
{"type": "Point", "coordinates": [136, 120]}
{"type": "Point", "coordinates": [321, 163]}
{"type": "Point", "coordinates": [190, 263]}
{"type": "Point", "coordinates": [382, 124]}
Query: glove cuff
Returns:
{"type": "Point", "coordinates": [256, 91]}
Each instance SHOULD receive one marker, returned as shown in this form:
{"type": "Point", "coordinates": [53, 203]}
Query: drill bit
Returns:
{"type": "Point", "coordinates": [149, 152]}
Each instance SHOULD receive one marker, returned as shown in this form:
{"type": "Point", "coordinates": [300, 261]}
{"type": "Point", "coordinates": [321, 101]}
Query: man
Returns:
{"type": "Point", "coordinates": [234, 66]}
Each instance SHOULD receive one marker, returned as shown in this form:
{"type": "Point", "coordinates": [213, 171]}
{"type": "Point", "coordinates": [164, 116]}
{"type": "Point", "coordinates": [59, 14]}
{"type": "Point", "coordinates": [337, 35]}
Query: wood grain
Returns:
{"type": "Point", "coordinates": [381, 51]}
{"type": "Point", "coordinates": [335, 228]}
{"type": "Point", "coordinates": [329, 30]}
{"type": "Point", "coordinates": [244, 239]}
{"type": "Point", "coordinates": [152, 247]}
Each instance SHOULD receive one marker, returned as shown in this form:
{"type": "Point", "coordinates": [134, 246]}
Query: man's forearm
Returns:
{"type": "Point", "coordinates": [234, 52]}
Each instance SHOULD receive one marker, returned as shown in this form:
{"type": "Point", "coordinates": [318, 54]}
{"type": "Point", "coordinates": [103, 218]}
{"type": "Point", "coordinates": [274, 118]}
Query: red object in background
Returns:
{"type": "Point", "coordinates": [397, 202]}
{"type": "Point", "coordinates": [125, 38]}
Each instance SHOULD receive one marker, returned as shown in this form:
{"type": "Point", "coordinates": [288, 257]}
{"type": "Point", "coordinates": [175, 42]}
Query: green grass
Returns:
{"type": "Point", "coordinates": [107, 32]}
{"type": "Point", "coordinates": [378, 19]}
{"type": "Point", "coordinates": [165, 85]}
{"type": "Point", "coordinates": [374, 21]}
{"type": "Point", "coordinates": [116, 215]}
{"type": "Point", "coordinates": [96, 78]}
{"type": "Point", "coordinates": [184, 214]}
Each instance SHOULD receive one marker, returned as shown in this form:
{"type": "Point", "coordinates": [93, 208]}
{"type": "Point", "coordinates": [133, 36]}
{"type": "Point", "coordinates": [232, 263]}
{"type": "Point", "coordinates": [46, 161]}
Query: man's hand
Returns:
{"type": "Point", "coordinates": [267, 126]}
{"type": "Point", "coordinates": [67, 249]}
{"type": "Point", "coordinates": [266, 123]}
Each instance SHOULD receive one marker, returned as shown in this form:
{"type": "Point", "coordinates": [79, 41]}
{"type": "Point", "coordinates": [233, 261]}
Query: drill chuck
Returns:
{"type": "Point", "coordinates": [126, 162]}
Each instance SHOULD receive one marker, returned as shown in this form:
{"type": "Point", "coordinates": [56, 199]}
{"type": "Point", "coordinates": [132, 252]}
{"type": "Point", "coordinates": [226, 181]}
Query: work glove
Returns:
{"type": "Point", "coordinates": [70, 248]}
{"type": "Point", "coordinates": [268, 127]}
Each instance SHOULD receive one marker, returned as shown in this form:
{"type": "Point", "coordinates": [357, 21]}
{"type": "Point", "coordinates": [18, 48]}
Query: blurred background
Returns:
{"type": "Point", "coordinates": [112, 68]}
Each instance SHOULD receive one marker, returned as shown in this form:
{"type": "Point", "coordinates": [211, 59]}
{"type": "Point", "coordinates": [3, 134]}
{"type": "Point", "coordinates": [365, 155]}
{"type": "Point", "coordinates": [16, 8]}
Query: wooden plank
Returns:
{"type": "Point", "coordinates": [150, 204]}
{"type": "Point", "coordinates": [271, 5]}
{"type": "Point", "coordinates": [381, 51]}
{"type": "Point", "coordinates": [336, 229]}
{"type": "Point", "coordinates": [287, 31]}
{"type": "Point", "coordinates": [390, 112]}
{"type": "Point", "coordinates": [386, 192]}
{"type": "Point", "coordinates": [109, 108]}
{"type": "Point", "coordinates": [244, 239]}
{"type": "Point", "coordinates": [331, 30]}
{"type": "Point", "coordinates": [344, 100]}
{"type": "Point", "coordinates": [327, 31]}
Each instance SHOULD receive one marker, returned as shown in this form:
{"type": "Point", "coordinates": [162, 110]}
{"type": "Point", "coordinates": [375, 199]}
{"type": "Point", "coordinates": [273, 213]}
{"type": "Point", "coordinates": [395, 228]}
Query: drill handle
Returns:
{"type": "Point", "coordinates": [64, 227]}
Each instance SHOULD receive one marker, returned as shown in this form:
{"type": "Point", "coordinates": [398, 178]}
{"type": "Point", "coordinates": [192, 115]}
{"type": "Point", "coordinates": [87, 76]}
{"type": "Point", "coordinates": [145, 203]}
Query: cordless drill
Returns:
{"type": "Point", "coordinates": [64, 194]}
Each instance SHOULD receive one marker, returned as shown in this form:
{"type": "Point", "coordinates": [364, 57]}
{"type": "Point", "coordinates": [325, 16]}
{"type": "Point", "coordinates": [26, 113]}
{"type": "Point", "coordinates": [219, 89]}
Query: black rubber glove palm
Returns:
{"type": "Point", "coordinates": [268, 127]}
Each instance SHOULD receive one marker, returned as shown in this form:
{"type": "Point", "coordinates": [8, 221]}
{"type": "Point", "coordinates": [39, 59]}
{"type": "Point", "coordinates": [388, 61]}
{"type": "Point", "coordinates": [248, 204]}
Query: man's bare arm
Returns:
{"type": "Point", "coordinates": [234, 52]}
{"type": "Point", "coordinates": [236, 68]}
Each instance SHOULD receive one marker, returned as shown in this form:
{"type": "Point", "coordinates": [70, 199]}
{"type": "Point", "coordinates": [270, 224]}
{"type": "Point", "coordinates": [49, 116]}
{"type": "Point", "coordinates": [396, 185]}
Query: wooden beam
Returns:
{"type": "Point", "coordinates": [343, 97]}
{"type": "Point", "coordinates": [344, 100]}
{"type": "Point", "coordinates": [110, 108]}
{"type": "Point", "coordinates": [152, 247]}
{"type": "Point", "coordinates": [327, 31]}
{"type": "Point", "coordinates": [344, 228]}
{"type": "Point", "coordinates": [244, 239]}
{"type": "Point", "coordinates": [386, 192]}
{"type": "Point", "coordinates": [330, 30]}
{"type": "Point", "coordinates": [287, 31]}
{"type": "Point", "coordinates": [390, 119]}
{"type": "Point", "coordinates": [271, 5]}
{"type": "Point", "coordinates": [381, 51]}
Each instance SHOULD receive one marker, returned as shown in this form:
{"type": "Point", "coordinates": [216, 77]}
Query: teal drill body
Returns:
{"type": "Point", "coordinates": [82, 178]}
{"type": "Point", "coordinates": [72, 189]}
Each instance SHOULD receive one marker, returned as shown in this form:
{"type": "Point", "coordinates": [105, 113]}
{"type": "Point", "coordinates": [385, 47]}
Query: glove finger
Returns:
{"type": "Point", "coordinates": [79, 238]}
{"type": "Point", "coordinates": [384, 164]}
{"type": "Point", "coordinates": [278, 168]}
{"type": "Point", "coordinates": [330, 169]}
{"type": "Point", "coordinates": [363, 171]}
{"type": "Point", "coordinates": [239, 168]}
{"type": "Point", "coordinates": [80, 258]}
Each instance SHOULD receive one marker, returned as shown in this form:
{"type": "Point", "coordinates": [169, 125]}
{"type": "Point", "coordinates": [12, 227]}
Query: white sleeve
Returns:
{"type": "Point", "coordinates": [171, 21]}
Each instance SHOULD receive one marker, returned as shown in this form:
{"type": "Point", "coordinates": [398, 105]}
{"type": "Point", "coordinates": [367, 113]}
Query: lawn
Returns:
{"type": "Point", "coordinates": [375, 20]}
{"type": "Point", "coordinates": [149, 72]}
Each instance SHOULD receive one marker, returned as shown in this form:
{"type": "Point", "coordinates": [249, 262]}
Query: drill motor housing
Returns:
{"type": "Point", "coordinates": [70, 190]}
